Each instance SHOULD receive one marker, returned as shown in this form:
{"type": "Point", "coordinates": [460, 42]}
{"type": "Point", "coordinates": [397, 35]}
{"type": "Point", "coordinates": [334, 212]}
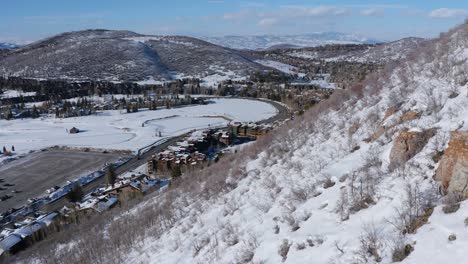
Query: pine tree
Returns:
{"type": "Point", "coordinates": [76, 194]}
{"type": "Point", "coordinates": [111, 177]}
{"type": "Point", "coordinates": [35, 113]}
{"type": "Point", "coordinates": [176, 172]}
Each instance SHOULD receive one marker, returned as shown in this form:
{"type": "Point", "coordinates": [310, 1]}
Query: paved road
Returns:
{"type": "Point", "coordinates": [34, 174]}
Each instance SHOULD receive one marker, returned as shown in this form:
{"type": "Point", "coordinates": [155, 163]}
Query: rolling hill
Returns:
{"type": "Point", "coordinates": [123, 56]}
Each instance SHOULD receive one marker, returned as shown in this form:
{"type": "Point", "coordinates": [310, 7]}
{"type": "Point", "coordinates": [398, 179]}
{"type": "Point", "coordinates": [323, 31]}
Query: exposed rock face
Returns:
{"type": "Point", "coordinates": [390, 111]}
{"type": "Point", "coordinates": [453, 167]}
{"type": "Point", "coordinates": [407, 145]}
{"type": "Point", "coordinates": [410, 115]}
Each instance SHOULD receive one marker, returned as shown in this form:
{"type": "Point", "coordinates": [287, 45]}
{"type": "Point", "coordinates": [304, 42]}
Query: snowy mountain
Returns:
{"type": "Point", "coordinates": [267, 41]}
{"type": "Point", "coordinates": [350, 181]}
{"type": "Point", "coordinates": [124, 56]}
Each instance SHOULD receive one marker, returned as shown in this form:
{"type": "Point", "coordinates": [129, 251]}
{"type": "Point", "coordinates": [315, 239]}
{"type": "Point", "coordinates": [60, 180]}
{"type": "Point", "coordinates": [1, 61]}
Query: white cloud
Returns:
{"type": "Point", "coordinates": [372, 12]}
{"type": "Point", "coordinates": [448, 13]}
{"type": "Point", "coordinates": [317, 11]}
{"type": "Point", "coordinates": [238, 16]}
{"type": "Point", "coordinates": [267, 22]}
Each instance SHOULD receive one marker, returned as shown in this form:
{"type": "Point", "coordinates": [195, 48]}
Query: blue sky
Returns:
{"type": "Point", "coordinates": [28, 20]}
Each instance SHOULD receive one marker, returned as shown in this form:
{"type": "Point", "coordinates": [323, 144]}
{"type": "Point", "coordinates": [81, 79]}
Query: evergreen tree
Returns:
{"type": "Point", "coordinates": [76, 194]}
{"type": "Point", "coordinates": [176, 172]}
{"type": "Point", "coordinates": [111, 177]}
{"type": "Point", "coordinates": [35, 113]}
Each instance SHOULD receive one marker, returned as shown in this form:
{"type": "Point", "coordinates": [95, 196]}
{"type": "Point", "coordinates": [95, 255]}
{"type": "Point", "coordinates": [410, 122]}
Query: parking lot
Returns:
{"type": "Point", "coordinates": [31, 176]}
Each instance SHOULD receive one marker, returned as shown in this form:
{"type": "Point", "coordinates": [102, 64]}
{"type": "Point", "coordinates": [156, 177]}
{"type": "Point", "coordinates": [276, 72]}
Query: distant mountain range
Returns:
{"type": "Point", "coordinates": [4, 45]}
{"type": "Point", "coordinates": [306, 40]}
{"type": "Point", "coordinates": [118, 55]}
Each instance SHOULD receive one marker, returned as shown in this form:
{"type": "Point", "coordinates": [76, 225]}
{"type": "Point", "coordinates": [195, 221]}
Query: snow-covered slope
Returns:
{"type": "Point", "coordinates": [306, 40]}
{"type": "Point", "coordinates": [123, 56]}
{"type": "Point", "coordinates": [322, 189]}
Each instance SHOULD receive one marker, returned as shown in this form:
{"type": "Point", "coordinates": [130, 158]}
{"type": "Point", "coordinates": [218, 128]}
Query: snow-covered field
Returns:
{"type": "Point", "coordinates": [120, 130]}
{"type": "Point", "coordinates": [15, 93]}
{"type": "Point", "coordinates": [283, 67]}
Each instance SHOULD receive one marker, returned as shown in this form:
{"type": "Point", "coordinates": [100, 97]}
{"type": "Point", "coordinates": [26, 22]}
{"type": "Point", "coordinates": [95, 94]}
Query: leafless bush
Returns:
{"type": "Point", "coordinates": [362, 188]}
{"type": "Point", "coordinates": [327, 181]}
{"type": "Point", "coordinates": [432, 100]}
{"type": "Point", "coordinates": [342, 205]}
{"type": "Point", "coordinates": [230, 235]}
{"type": "Point", "coordinates": [400, 249]}
{"type": "Point", "coordinates": [199, 244]}
{"type": "Point", "coordinates": [291, 221]}
{"type": "Point", "coordinates": [231, 205]}
{"type": "Point", "coordinates": [284, 249]}
{"type": "Point", "coordinates": [370, 245]}
{"type": "Point", "coordinates": [302, 193]}
{"type": "Point", "coordinates": [245, 255]}
{"type": "Point", "coordinates": [276, 229]}
{"type": "Point", "coordinates": [300, 245]}
{"type": "Point", "coordinates": [416, 209]}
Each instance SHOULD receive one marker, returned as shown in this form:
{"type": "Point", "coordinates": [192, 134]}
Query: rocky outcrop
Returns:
{"type": "Point", "coordinates": [453, 168]}
{"type": "Point", "coordinates": [390, 111]}
{"type": "Point", "coordinates": [410, 115]}
{"type": "Point", "coordinates": [407, 145]}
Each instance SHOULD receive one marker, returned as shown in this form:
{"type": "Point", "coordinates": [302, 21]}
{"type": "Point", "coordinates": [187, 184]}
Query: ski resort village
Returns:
{"type": "Point", "coordinates": [60, 169]}
{"type": "Point", "coordinates": [233, 132]}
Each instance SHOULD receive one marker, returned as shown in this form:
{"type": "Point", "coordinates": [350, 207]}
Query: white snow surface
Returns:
{"type": "Point", "coordinates": [120, 130]}
{"type": "Point", "coordinates": [15, 93]}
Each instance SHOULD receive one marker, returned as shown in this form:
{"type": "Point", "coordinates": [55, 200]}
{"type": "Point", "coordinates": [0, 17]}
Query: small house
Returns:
{"type": "Point", "coordinates": [74, 130]}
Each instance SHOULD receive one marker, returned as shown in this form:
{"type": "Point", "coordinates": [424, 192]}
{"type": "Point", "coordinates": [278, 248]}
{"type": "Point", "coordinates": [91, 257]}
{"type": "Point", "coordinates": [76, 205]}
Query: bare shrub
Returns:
{"type": "Point", "coordinates": [370, 245]}
{"type": "Point", "coordinates": [302, 193]}
{"type": "Point", "coordinates": [300, 246]}
{"type": "Point", "coordinates": [416, 209]}
{"type": "Point", "coordinates": [400, 249]}
{"type": "Point", "coordinates": [276, 229]}
{"type": "Point", "coordinates": [230, 235]}
{"type": "Point", "coordinates": [199, 244]}
{"type": "Point", "coordinates": [327, 181]}
{"type": "Point", "coordinates": [245, 255]}
{"type": "Point", "coordinates": [362, 188]}
{"type": "Point", "coordinates": [284, 249]}
{"type": "Point", "coordinates": [292, 222]}
{"type": "Point", "coordinates": [342, 205]}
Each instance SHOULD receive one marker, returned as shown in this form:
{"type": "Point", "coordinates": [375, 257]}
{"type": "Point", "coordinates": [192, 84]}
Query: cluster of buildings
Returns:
{"type": "Point", "coordinates": [190, 152]}
{"type": "Point", "coordinates": [249, 130]}
{"type": "Point", "coordinates": [202, 146]}
{"type": "Point", "coordinates": [18, 235]}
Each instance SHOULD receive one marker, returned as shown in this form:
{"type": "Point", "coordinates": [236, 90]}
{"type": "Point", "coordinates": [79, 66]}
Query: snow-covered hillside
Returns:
{"type": "Point", "coordinates": [351, 181]}
{"type": "Point", "coordinates": [115, 55]}
{"type": "Point", "coordinates": [306, 40]}
{"type": "Point", "coordinates": [379, 53]}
